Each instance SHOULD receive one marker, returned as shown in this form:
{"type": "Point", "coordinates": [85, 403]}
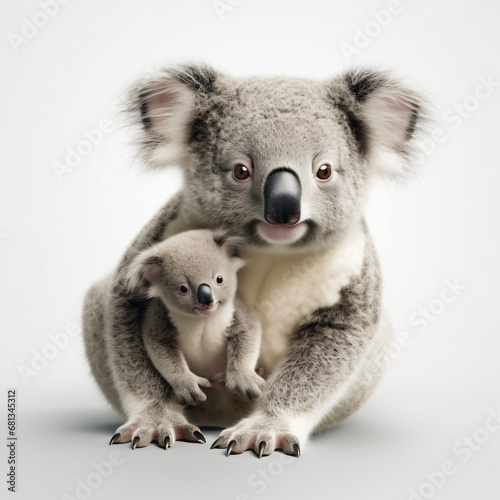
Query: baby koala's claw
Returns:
{"type": "Point", "coordinates": [218, 377]}
{"type": "Point", "coordinates": [251, 395]}
{"type": "Point", "coordinates": [204, 382]}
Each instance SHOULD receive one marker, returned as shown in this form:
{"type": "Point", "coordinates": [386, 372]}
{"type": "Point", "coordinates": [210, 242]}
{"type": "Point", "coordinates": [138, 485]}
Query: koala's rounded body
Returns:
{"type": "Point", "coordinates": [284, 164]}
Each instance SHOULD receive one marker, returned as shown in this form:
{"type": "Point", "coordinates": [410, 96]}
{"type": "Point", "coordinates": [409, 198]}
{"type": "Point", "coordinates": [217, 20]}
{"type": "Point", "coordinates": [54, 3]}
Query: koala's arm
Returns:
{"type": "Point", "coordinates": [160, 341]}
{"type": "Point", "coordinates": [331, 367]}
{"type": "Point", "coordinates": [329, 355]}
{"type": "Point", "coordinates": [243, 346]}
{"type": "Point", "coordinates": [139, 386]}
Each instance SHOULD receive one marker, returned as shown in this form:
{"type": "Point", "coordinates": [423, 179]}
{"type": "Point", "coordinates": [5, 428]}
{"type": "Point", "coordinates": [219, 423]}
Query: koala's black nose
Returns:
{"type": "Point", "coordinates": [205, 296]}
{"type": "Point", "coordinates": [282, 193]}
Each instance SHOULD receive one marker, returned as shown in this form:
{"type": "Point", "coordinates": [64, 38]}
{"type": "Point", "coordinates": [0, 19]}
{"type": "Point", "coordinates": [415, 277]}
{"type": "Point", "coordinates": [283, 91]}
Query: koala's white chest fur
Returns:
{"type": "Point", "coordinates": [203, 340]}
{"type": "Point", "coordinates": [285, 289]}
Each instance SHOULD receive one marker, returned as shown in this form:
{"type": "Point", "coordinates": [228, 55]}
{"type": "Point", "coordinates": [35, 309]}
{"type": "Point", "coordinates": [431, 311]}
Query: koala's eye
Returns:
{"type": "Point", "coordinates": [184, 289]}
{"type": "Point", "coordinates": [241, 173]}
{"type": "Point", "coordinates": [324, 172]}
{"type": "Point", "coordinates": [219, 280]}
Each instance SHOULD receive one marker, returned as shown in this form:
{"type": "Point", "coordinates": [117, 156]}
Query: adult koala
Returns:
{"type": "Point", "coordinates": [284, 163]}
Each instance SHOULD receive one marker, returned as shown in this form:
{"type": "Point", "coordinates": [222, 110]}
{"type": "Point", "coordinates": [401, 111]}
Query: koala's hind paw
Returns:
{"type": "Point", "coordinates": [143, 433]}
{"type": "Point", "coordinates": [259, 436]}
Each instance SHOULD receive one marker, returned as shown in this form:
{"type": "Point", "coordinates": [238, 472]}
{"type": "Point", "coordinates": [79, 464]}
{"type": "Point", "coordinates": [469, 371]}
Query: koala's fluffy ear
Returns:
{"type": "Point", "coordinates": [163, 105]}
{"type": "Point", "coordinates": [385, 117]}
{"type": "Point", "coordinates": [144, 272]}
{"type": "Point", "coordinates": [232, 246]}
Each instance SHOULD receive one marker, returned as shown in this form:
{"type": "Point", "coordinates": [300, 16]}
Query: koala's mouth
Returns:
{"type": "Point", "coordinates": [281, 234]}
{"type": "Point", "coordinates": [207, 310]}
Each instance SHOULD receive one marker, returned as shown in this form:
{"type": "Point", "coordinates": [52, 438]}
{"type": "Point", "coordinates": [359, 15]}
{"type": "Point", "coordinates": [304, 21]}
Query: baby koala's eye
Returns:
{"type": "Point", "coordinates": [219, 280]}
{"type": "Point", "coordinates": [184, 289]}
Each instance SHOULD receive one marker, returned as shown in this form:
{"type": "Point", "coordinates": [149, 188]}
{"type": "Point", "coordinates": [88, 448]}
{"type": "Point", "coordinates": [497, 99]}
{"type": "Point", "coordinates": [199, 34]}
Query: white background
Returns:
{"type": "Point", "coordinates": [59, 236]}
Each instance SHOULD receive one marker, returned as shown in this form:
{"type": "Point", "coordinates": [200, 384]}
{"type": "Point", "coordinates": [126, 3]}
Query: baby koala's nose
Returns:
{"type": "Point", "coordinates": [205, 296]}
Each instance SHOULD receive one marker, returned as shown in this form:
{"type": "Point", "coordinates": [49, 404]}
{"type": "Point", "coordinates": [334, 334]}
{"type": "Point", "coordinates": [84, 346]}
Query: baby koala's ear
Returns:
{"type": "Point", "coordinates": [144, 272]}
{"type": "Point", "coordinates": [233, 246]}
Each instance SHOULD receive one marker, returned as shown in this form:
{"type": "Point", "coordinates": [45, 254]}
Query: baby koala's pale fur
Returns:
{"type": "Point", "coordinates": [193, 342]}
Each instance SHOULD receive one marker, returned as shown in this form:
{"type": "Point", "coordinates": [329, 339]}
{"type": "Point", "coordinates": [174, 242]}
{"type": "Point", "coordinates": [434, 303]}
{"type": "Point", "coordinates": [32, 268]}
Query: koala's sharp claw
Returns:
{"type": "Point", "coordinates": [114, 438]}
{"type": "Point", "coordinates": [296, 449]}
{"type": "Point", "coordinates": [262, 447]}
{"type": "Point", "coordinates": [254, 393]}
{"type": "Point", "coordinates": [135, 442]}
{"type": "Point", "coordinates": [216, 443]}
{"type": "Point", "coordinates": [166, 442]}
{"type": "Point", "coordinates": [230, 447]}
{"type": "Point", "coordinates": [200, 436]}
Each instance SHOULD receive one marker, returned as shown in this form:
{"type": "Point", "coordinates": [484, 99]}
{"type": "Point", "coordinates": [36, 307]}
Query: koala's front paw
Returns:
{"type": "Point", "coordinates": [142, 431]}
{"type": "Point", "coordinates": [261, 434]}
{"type": "Point", "coordinates": [187, 391]}
{"type": "Point", "coordinates": [246, 383]}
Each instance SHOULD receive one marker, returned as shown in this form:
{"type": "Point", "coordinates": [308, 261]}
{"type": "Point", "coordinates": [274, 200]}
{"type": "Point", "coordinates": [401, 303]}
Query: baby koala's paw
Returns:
{"type": "Point", "coordinates": [246, 383]}
{"type": "Point", "coordinates": [188, 392]}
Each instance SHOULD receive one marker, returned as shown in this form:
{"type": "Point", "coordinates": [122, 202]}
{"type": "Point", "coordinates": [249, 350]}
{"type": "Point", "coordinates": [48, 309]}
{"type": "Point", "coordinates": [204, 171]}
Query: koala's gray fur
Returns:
{"type": "Point", "coordinates": [185, 346]}
{"type": "Point", "coordinates": [318, 296]}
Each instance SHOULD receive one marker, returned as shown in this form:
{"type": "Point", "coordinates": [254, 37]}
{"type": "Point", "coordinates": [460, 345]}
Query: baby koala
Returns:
{"type": "Point", "coordinates": [196, 327]}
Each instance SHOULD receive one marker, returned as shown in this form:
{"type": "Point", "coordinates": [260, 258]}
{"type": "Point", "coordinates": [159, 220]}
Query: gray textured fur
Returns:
{"type": "Point", "coordinates": [364, 123]}
{"type": "Point", "coordinates": [194, 258]}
